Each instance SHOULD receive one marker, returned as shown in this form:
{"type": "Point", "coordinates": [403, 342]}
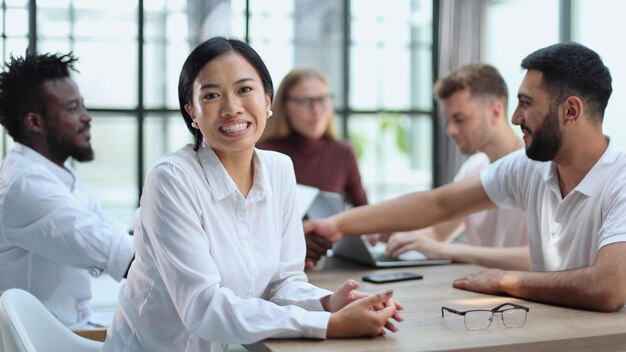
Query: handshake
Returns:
{"type": "Point", "coordinates": [316, 248]}
{"type": "Point", "coordinates": [320, 235]}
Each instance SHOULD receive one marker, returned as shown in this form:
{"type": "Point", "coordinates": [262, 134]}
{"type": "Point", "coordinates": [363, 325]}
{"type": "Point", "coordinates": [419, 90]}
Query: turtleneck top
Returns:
{"type": "Point", "coordinates": [326, 163]}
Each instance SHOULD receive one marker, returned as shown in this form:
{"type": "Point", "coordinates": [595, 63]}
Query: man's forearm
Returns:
{"type": "Point", "coordinates": [415, 210]}
{"type": "Point", "coordinates": [390, 216]}
{"type": "Point", "coordinates": [600, 287]}
{"type": "Point", "coordinates": [579, 288]}
{"type": "Point", "coordinates": [506, 258]}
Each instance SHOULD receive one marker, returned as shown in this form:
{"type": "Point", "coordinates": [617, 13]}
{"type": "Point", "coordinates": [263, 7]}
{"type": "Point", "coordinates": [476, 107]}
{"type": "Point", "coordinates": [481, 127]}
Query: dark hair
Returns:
{"type": "Point", "coordinates": [573, 69]}
{"type": "Point", "coordinates": [199, 57]}
{"type": "Point", "coordinates": [21, 86]}
{"type": "Point", "coordinates": [482, 80]}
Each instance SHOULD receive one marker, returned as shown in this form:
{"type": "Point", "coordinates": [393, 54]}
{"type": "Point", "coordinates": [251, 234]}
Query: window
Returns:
{"type": "Point", "coordinates": [510, 37]}
{"type": "Point", "coordinates": [379, 82]}
{"type": "Point", "coordinates": [594, 25]}
{"type": "Point", "coordinates": [382, 83]}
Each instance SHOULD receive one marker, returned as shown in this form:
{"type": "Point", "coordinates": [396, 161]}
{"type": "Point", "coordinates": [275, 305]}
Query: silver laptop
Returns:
{"type": "Point", "coordinates": [321, 204]}
{"type": "Point", "coordinates": [357, 249]}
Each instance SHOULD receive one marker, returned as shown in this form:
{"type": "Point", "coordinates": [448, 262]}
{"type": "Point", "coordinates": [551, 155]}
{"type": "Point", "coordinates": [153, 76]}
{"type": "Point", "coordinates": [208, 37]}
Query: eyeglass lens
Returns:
{"type": "Point", "coordinates": [478, 319]}
{"type": "Point", "coordinates": [481, 319]}
{"type": "Point", "coordinates": [514, 318]}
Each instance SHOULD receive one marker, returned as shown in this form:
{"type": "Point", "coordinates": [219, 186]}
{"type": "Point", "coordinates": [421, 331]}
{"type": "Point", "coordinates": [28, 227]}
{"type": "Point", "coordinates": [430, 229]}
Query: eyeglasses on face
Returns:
{"type": "Point", "coordinates": [513, 316]}
{"type": "Point", "coordinates": [321, 100]}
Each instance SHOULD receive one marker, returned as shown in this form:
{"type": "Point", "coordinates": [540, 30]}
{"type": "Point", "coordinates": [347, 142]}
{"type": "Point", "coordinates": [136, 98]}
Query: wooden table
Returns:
{"type": "Point", "coordinates": [547, 327]}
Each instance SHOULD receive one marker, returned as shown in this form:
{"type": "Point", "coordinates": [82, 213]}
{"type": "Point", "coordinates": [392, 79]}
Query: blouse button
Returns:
{"type": "Point", "coordinates": [95, 272]}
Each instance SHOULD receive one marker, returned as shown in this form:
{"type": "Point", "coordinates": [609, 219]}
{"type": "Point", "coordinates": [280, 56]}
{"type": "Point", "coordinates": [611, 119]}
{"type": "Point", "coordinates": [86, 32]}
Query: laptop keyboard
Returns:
{"type": "Point", "coordinates": [378, 252]}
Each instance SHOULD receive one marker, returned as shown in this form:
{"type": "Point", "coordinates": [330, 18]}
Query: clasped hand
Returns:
{"type": "Point", "coordinates": [356, 313]}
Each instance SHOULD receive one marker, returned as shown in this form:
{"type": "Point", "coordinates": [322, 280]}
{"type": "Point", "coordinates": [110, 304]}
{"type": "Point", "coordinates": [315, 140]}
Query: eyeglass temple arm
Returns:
{"type": "Point", "coordinates": [497, 309]}
{"type": "Point", "coordinates": [493, 310]}
{"type": "Point", "coordinates": [451, 311]}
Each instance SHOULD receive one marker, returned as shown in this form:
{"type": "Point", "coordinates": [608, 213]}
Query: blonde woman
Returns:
{"type": "Point", "coordinates": [303, 128]}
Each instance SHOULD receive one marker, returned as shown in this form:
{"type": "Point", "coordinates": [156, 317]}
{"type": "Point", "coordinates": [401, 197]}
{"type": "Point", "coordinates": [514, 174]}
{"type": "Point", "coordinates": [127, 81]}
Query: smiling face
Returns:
{"type": "Point", "coordinates": [67, 122]}
{"type": "Point", "coordinates": [538, 119]}
{"type": "Point", "coordinates": [309, 107]}
{"type": "Point", "coordinates": [229, 105]}
{"type": "Point", "coordinates": [467, 121]}
{"type": "Point", "coordinates": [547, 139]}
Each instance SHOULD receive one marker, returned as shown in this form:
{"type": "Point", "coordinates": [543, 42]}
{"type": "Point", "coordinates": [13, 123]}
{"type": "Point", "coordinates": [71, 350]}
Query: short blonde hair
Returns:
{"type": "Point", "coordinates": [278, 126]}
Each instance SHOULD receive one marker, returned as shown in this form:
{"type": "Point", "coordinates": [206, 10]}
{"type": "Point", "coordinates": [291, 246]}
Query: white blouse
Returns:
{"type": "Point", "coordinates": [213, 267]}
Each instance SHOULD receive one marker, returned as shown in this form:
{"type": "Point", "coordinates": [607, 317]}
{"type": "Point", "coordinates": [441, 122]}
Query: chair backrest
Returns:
{"type": "Point", "coordinates": [1, 343]}
{"type": "Point", "coordinates": [27, 326]}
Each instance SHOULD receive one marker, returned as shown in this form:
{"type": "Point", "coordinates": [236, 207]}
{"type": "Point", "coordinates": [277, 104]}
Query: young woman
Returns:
{"type": "Point", "coordinates": [219, 245]}
{"type": "Point", "coordinates": [303, 128]}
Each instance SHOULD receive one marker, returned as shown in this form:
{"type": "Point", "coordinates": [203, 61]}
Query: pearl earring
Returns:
{"type": "Point", "coordinates": [194, 124]}
{"type": "Point", "coordinates": [269, 113]}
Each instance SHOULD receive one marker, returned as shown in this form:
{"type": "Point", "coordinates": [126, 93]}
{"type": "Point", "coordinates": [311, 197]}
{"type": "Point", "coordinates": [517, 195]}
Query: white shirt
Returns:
{"type": "Point", "coordinates": [563, 233]}
{"type": "Point", "coordinates": [494, 227]}
{"type": "Point", "coordinates": [213, 267]}
{"type": "Point", "coordinates": [53, 236]}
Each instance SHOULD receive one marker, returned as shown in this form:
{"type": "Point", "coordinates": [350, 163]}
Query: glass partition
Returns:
{"type": "Point", "coordinates": [129, 76]}
{"type": "Point", "coordinates": [596, 25]}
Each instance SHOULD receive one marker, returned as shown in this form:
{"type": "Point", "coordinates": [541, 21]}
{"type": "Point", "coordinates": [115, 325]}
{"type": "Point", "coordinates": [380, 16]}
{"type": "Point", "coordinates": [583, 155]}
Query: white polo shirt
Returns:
{"type": "Point", "coordinates": [563, 233]}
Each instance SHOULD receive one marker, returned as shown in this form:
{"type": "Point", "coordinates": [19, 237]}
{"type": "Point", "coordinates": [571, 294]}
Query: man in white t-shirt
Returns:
{"type": "Point", "coordinates": [474, 100]}
{"type": "Point", "coordinates": [53, 236]}
{"type": "Point", "coordinates": [571, 182]}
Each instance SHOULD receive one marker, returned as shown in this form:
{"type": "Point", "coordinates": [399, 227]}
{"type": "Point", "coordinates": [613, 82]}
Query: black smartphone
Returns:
{"type": "Point", "coordinates": [390, 277]}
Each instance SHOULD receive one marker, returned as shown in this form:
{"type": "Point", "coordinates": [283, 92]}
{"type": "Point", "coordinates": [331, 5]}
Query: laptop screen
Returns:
{"type": "Point", "coordinates": [316, 204]}
{"type": "Point", "coordinates": [320, 204]}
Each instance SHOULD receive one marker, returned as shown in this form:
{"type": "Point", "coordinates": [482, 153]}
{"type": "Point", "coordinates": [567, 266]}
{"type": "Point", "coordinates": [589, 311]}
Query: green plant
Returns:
{"type": "Point", "coordinates": [390, 124]}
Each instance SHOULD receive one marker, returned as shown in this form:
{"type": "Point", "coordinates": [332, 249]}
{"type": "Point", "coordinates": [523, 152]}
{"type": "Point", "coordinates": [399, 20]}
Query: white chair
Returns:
{"type": "Point", "coordinates": [1, 343]}
{"type": "Point", "coordinates": [27, 326]}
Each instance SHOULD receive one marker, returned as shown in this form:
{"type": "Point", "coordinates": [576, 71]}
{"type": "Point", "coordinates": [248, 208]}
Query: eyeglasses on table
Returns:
{"type": "Point", "coordinates": [513, 316]}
